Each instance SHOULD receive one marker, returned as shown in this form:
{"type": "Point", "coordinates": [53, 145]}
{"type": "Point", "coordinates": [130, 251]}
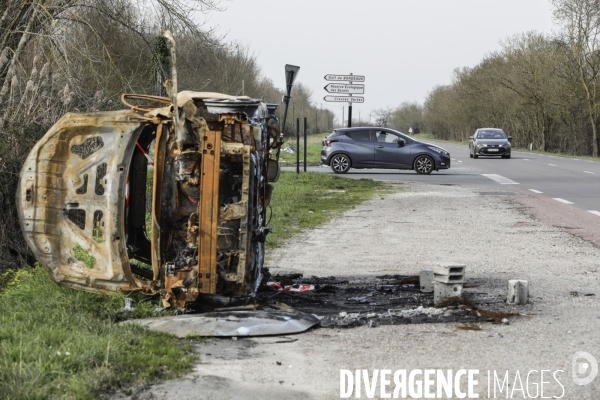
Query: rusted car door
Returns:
{"type": "Point", "coordinates": [71, 199]}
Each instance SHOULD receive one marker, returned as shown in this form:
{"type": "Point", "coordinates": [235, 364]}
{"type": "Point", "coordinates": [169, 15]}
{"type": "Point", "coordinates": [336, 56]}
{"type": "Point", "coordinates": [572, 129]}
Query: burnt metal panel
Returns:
{"type": "Point", "coordinates": [208, 211]}
{"type": "Point", "coordinates": [71, 199]}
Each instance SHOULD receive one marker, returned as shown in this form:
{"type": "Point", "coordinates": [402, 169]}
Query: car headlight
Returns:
{"type": "Point", "coordinates": [440, 151]}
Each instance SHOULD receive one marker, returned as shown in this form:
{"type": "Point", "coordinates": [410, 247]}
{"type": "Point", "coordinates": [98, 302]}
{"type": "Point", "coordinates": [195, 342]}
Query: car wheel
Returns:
{"type": "Point", "coordinates": [475, 155]}
{"type": "Point", "coordinates": [340, 164]}
{"type": "Point", "coordinates": [507, 156]}
{"type": "Point", "coordinates": [424, 165]}
{"type": "Point", "coordinates": [470, 154]}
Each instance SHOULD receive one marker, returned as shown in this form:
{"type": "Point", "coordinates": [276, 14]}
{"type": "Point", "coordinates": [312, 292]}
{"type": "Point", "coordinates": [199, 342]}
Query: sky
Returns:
{"type": "Point", "coordinates": [404, 48]}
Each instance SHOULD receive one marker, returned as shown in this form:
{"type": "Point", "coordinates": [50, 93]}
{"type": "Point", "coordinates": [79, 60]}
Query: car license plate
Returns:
{"type": "Point", "coordinates": [490, 150]}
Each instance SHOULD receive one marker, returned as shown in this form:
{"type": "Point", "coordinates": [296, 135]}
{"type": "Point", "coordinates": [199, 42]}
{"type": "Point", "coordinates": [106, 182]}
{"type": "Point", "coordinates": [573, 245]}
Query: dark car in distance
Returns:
{"type": "Point", "coordinates": [489, 142]}
{"type": "Point", "coordinates": [372, 147]}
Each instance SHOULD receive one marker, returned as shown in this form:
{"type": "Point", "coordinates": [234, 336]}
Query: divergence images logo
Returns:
{"type": "Point", "coordinates": [584, 372]}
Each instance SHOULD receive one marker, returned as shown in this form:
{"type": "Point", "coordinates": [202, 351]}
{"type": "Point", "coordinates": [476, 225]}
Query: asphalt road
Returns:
{"type": "Point", "coordinates": [568, 181]}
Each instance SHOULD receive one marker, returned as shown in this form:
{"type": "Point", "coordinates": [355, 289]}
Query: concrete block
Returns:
{"type": "Point", "coordinates": [443, 291]}
{"type": "Point", "coordinates": [449, 273]}
{"type": "Point", "coordinates": [518, 292]}
{"type": "Point", "coordinates": [426, 281]}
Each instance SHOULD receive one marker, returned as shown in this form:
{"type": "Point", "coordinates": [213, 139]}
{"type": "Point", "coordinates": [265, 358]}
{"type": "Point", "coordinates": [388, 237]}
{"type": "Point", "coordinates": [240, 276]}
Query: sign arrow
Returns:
{"type": "Point", "coordinates": [349, 99]}
{"type": "Point", "coordinates": [349, 78]}
{"type": "Point", "coordinates": [345, 88]}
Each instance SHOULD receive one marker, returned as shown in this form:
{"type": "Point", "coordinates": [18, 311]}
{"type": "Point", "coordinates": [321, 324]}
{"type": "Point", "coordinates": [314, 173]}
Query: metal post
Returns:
{"type": "Point", "coordinates": [349, 115]}
{"type": "Point", "coordinates": [305, 132]}
{"type": "Point", "coordinates": [291, 72]}
{"type": "Point", "coordinates": [297, 145]}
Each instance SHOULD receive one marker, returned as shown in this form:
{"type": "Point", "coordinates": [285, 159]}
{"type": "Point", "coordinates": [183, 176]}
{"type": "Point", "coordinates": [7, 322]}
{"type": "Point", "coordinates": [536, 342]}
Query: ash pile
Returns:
{"type": "Point", "coordinates": [372, 301]}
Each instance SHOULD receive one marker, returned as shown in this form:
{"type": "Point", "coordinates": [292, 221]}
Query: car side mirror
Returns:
{"type": "Point", "coordinates": [471, 137]}
{"type": "Point", "coordinates": [401, 142]}
{"type": "Point", "coordinates": [510, 138]}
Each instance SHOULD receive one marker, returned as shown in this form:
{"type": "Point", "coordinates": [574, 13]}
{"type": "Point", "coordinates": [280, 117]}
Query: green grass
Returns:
{"type": "Point", "coordinates": [61, 343]}
{"type": "Point", "coordinates": [313, 148]}
{"type": "Point", "coordinates": [82, 255]}
{"type": "Point", "coordinates": [310, 199]}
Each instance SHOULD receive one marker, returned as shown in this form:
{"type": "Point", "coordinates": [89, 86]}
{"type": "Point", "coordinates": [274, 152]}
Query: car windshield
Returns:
{"type": "Point", "coordinates": [491, 134]}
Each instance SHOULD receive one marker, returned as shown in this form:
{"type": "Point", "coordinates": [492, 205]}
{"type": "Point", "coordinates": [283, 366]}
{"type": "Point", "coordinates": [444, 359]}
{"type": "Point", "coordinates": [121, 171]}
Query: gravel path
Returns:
{"type": "Point", "coordinates": [405, 233]}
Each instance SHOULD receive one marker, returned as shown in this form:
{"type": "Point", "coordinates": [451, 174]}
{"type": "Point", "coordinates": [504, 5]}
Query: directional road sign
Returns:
{"type": "Point", "coordinates": [350, 99]}
{"type": "Point", "coordinates": [345, 88]}
{"type": "Point", "coordinates": [349, 78]}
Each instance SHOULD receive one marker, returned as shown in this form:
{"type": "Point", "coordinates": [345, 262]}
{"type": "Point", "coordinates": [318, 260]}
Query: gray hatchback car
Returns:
{"type": "Point", "coordinates": [372, 147]}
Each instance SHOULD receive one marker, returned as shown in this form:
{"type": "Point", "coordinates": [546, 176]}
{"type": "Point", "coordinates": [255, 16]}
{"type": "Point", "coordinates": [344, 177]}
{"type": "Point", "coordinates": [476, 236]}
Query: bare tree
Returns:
{"type": "Point", "coordinates": [406, 116]}
{"type": "Point", "coordinates": [383, 116]}
{"type": "Point", "coordinates": [580, 39]}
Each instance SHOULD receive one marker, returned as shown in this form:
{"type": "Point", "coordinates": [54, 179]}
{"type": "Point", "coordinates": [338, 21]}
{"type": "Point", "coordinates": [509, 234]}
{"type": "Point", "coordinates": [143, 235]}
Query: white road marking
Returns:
{"type": "Point", "coordinates": [525, 159]}
{"type": "Point", "coordinates": [535, 191]}
{"type": "Point", "coordinates": [552, 165]}
{"type": "Point", "coordinates": [563, 200]}
{"type": "Point", "coordinates": [595, 212]}
{"type": "Point", "coordinates": [500, 179]}
{"type": "Point", "coordinates": [588, 172]}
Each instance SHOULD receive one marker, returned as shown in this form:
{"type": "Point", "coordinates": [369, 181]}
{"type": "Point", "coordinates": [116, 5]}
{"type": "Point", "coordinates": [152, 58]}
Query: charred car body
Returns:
{"type": "Point", "coordinates": [83, 188]}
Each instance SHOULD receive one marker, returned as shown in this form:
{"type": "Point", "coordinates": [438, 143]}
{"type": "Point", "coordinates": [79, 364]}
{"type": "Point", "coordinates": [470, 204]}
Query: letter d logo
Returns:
{"type": "Point", "coordinates": [584, 372]}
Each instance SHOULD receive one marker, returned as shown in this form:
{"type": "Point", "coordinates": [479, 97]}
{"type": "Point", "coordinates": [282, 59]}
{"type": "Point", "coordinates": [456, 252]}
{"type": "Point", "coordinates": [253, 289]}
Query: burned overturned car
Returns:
{"type": "Point", "coordinates": [201, 223]}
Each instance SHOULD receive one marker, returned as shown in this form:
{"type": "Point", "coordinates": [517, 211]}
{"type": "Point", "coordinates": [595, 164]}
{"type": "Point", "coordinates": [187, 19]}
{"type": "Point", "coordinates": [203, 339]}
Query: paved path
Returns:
{"type": "Point", "coordinates": [404, 233]}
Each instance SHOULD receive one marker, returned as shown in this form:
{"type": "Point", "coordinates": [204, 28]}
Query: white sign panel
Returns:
{"type": "Point", "coordinates": [345, 88]}
{"type": "Point", "coordinates": [353, 99]}
{"type": "Point", "coordinates": [349, 78]}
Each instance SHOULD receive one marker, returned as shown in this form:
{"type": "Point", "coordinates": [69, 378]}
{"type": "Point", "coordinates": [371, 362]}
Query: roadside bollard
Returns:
{"type": "Point", "coordinates": [518, 292]}
{"type": "Point", "coordinates": [426, 281]}
{"type": "Point", "coordinates": [448, 281]}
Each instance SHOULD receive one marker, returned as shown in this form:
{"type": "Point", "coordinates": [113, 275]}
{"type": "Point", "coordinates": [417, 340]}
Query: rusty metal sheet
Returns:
{"type": "Point", "coordinates": [71, 199]}
{"type": "Point", "coordinates": [208, 209]}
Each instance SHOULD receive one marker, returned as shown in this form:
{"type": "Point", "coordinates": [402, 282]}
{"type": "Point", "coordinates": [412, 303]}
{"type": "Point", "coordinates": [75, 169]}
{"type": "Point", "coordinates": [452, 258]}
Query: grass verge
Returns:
{"type": "Point", "coordinates": [310, 199]}
{"type": "Point", "coordinates": [62, 343]}
{"type": "Point", "coordinates": [313, 148]}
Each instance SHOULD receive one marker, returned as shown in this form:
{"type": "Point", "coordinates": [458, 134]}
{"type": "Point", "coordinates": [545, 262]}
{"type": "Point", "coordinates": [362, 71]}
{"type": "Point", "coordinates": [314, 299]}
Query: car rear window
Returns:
{"type": "Point", "coordinates": [362, 136]}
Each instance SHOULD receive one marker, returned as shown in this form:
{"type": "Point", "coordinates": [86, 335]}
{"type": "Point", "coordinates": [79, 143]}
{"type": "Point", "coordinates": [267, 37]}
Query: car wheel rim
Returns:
{"type": "Point", "coordinates": [340, 164]}
{"type": "Point", "coordinates": [424, 165]}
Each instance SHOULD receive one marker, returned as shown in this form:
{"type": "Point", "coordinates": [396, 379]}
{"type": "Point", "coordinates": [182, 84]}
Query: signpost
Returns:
{"type": "Point", "coordinates": [342, 89]}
